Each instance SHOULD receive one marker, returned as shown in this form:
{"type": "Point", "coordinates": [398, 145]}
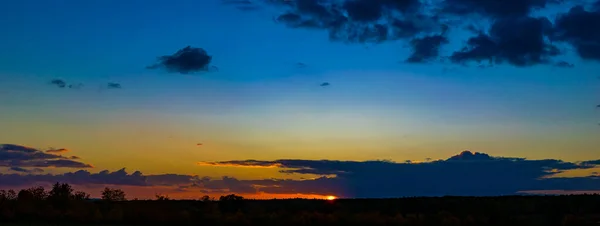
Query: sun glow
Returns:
{"type": "Point", "coordinates": [331, 197]}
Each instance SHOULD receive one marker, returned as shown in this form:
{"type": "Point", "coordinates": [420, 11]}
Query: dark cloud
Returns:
{"type": "Point", "coordinates": [426, 48]}
{"type": "Point", "coordinates": [175, 179]}
{"type": "Point", "coordinates": [517, 41]}
{"type": "Point", "coordinates": [12, 155]}
{"type": "Point", "coordinates": [592, 162]}
{"type": "Point", "coordinates": [464, 174]}
{"type": "Point", "coordinates": [580, 28]}
{"type": "Point", "coordinates": [57, 150]}
{"type": "Point", "coordinates": [244, 5]}
{"type": "Point", "coordinates": [24, 170]}
{"type": "Point", "coordinates": [63, 84]}
{"type": "Point", "coordinates": [359, 21]}
{"type": "Point", "coordinates": [467, 173]}
{"type": "Point", "coordinates": [494, 8]}
{"type": "Point", "coordinates": [515, 37]}
{"type": "Point", "coordinates": [75, 86]}
{"type": "Point", "coordinates": [81, 177]}
{"type": "Point", "coordinates": [58, 83]}
{"type": "Point", "coordinates": [325, 84]}
{"type": "Point", "coordinates": [564, 64]}
{"type": "Point", "coordinates": [184, 61]}
{"type": "Point", "coordinates": [301, 65]}
{"type": "Point", "coordinates": [113, 85]}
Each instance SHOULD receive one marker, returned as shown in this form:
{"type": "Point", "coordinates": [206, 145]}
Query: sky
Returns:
{"type": "Point", "coordinates": [301, 98]}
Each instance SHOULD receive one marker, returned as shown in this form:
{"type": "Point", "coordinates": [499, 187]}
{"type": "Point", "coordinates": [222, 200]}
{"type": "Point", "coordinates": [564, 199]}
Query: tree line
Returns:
{"type": "Point", "coordinates": [62, 205]}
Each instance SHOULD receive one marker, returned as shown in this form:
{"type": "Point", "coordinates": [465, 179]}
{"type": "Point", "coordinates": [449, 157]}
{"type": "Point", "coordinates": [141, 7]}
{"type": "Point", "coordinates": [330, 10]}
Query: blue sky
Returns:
{"type": "Point", "coordinates": [259, 104]}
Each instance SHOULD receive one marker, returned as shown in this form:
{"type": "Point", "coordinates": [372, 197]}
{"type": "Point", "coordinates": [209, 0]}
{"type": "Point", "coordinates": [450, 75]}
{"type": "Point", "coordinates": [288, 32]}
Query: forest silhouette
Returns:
{"type": "Point", "coordinates": [62, 205]}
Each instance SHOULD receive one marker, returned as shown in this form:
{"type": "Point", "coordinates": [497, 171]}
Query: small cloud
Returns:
{"type": "Point", "coordinates": [74, 157]}
{"type": "Point", "coordinates": [185, 61]}
{"type": "Point", "coordinates": [58, 150]}
{"type": "Point", "coordinates": [75, 86]}
{"type": "Point", "coordinates": [301, 65]}
{"type": "Point", "coordinates": [113, 85]}
{"type": "Point", "coordinates": [58, 83]}
{"type": "Point", "coordinates": [325, 84]}
{"type": "Point", "coordinates": [564, 64]}
{"type": "Point", "coordinates": [243, 163]}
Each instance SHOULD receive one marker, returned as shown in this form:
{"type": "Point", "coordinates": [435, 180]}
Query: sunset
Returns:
{"type": "Point", "coordinates": [301, 99]}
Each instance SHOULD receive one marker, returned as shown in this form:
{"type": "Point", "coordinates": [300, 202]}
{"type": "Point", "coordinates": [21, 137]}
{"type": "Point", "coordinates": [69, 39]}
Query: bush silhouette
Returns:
{"type": "Point", "coordinates": [113, 195]}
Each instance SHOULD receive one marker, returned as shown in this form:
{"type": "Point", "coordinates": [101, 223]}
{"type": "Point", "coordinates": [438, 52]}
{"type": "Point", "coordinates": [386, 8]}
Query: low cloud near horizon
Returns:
{"type": "Point", "coordinates": [465, 174]}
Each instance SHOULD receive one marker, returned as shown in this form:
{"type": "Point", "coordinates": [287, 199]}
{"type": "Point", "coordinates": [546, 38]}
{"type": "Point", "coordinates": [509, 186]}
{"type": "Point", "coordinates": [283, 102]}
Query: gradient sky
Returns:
{"type": "Point", "coordinates": [259, 104]}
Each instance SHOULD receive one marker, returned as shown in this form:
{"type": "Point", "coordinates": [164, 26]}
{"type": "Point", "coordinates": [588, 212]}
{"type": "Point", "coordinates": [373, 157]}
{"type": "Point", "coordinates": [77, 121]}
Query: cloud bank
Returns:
{"type": "Point", "coordinates": [468, 173]}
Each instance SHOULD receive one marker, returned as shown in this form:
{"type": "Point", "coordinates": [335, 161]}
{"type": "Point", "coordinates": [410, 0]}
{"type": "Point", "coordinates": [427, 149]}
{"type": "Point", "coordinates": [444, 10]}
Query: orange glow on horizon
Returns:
{"type": "Point", "coordinates": [331, 197]}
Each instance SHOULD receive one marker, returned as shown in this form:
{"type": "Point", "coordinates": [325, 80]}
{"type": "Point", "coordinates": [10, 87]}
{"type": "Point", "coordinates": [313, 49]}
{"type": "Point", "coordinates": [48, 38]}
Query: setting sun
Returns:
{"type": "Point", "coordinates": [331, 197]}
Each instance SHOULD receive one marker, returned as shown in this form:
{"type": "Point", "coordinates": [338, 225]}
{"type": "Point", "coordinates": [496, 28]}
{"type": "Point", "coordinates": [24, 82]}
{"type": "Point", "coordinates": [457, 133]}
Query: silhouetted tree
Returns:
{"type": "Point", "coordinates": [231, 197]}
{"type": "Point", "coordinates": [113, 195]}
{"type": "Point", "coordinates": [60, 195]}
{"type": "Point", "coordinates": [34, 193]}
{"type": "Point", "coordinates": [79, 195]}
{"type": "Point", "coordinates": [205, 198]}
{"type": "Point", "coordinates": [161, 197]}
{"type": "Point", "coordinates": [230, 203]}
{"type": "Point", "coordinates": [8, 195]}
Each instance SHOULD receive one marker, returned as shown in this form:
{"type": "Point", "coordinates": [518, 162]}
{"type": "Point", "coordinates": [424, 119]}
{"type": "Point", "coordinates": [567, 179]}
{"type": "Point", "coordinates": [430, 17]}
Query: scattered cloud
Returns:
{"type": "Point", "coordinates": [12, 155]}
{"type": "Point", "coordinates": [515, 36]}
{"type": "Point", "coordinates": [185, 61]}
{"type": "Point", "coordinates": [325, 84]}
{"type": "Point", "coordinates": [358, 21]}
{"type": "Point", "coordinates": [63, 84]}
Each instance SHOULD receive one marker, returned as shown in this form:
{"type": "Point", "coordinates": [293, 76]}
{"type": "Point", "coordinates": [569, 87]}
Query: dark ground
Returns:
{"type": "Point", "coordinates": [505, 211]}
